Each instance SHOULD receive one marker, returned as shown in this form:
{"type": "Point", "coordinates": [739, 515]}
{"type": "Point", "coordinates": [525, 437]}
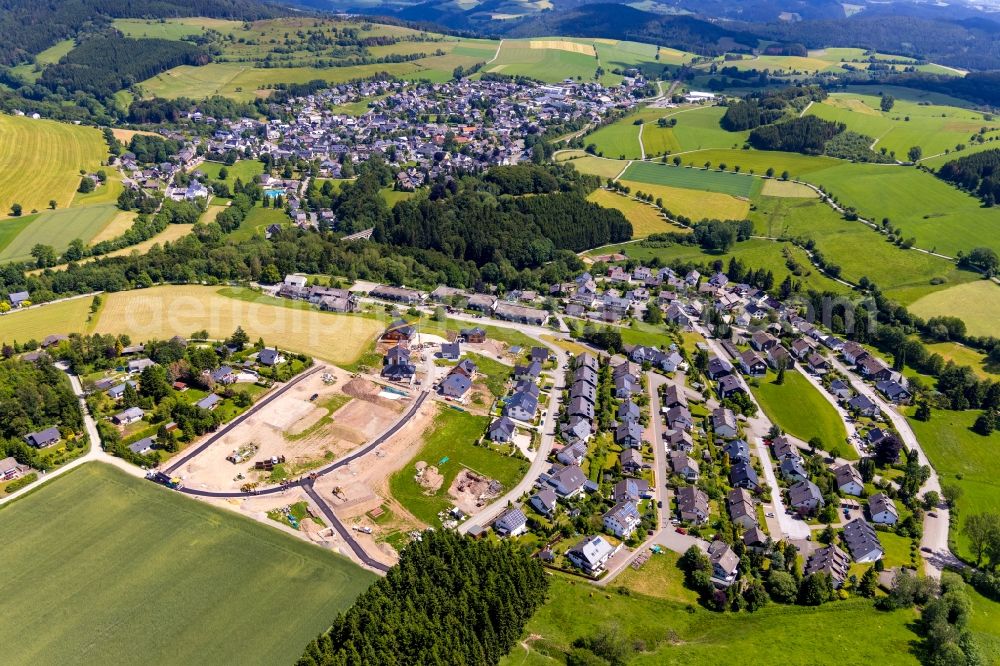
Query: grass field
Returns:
{"type": "Point", "coordinates": [692, 179]}
{"type": "Point", "coordinates": [584, 163]}
{"type": "Point", "coordinates": [57, 228]}
{"type": "Point", "coordinates": [787, 189]}
{"type": "Point", "coordinates": [963, 458]}
{"type": "Point", "coordinates": [798, 409]}
{"type": "Point", "coordinates": [245, 170]}
{"type": "Point", "coordinates": [47, 57]}
{"type": "Point", "coordinates": [695, 204]}
{"type": "Point", "coordinates": [258, 218]}
{"type": "Point", "coordinates": [759, 161]}
{"type": "Point", "coordinates": [173, 28]}
{"type": "Point", "coordinates": [935, 128]}
{"type": "Point", "coordinates": [452, 437]}
{"type": "Point", "coordinates": [699, 129]}
{"type": "Point", "coordinates": [940, 217]}
{"type": "Point", "coordinates": [41, 160]}
{"type": "Point", "coordinates": [977, 303]}
{"type": "Point", "coordinates": [65, 317]}
{"type": "Point", "coordinates": [162, 312]}
{"type": "Point", "coordinates": [660, 578]}
{"type": "Point", "coordinates": [527, 58]}
{"type": "Point", "coordinates": [645, 219]}
{"type": "Point", "coordinates": [618, 140]}
{"type": "Point", "coordinates": [189, 582]}
{"type": "Point", "coordinates": [672, 634]}
{"type": "Point", "coordinates": [11, 227]}
{"type": "Point", "coordinates": [962, 355]}
{"type": "Point", "coordinates": [905, 274]}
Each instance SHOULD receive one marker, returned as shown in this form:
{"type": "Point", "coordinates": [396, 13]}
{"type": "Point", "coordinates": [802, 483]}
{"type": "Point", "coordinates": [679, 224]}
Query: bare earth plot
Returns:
{"type": "Point", "coordinates": [163, 312]}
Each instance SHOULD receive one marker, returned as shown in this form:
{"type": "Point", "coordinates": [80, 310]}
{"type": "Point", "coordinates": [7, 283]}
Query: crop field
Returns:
{"type": "Point", "coordinates": [841, 242]}
{"type": "Point", "coordinates": [190, 583]}
{"type": "Point", "coordinates": [165, 311]}
{"type": "Point", "coordinates": [119, 224]}
{"type": "Point", "coordinates": [798, 409]}
{"type": "Point", "coordinates": [675, 632]}
{"type": "Point", "coordinates": [57, 228]}
{"type": "Point", "coordinates": [450, 447]}
{"type": "Point", "coordinates": [693, 179]}
{"type": "Point", "coordinates": [940, 217]}
{"type": "Point", "coordinates": [965, 459]}
{"type": "Point", "coordinates": [69, 316]}
{"type": "Point", "coordinates": [977, 303]}
{"type": "Point", "coordinates": [787, 189]}
{"type": "Point", "coordinates": [658, 140]}
{"type": "Point", "coordinates": [41, 160]}
{"type": "Point", "coordinates": [645, 219]}
{"type": "Point", "coordinates": [695, 204]}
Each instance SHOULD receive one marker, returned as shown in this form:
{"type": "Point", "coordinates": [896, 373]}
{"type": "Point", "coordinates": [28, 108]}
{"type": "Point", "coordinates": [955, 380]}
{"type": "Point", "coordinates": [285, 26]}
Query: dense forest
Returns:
{"type": "Point", "coordinates": [33, 396]}
{"type": "Point", "coordinates": [450, 600]}
{"type": "Point", "coordinates": [978, 173]}
{"type": "Point", "coordinates": [104, 64]}
{"type": "Point", "coordinates": [807, 135]}
{"type": "Point", "coordinates": [769, 106]}
{"type": "Point", "coordinates": [28, 28]}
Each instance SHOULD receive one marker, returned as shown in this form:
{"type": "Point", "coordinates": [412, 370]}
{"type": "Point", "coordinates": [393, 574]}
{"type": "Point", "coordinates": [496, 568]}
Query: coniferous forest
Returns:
{"type": "Point", "coordinates": [450, 600]}
{"type": "Point", "coordinates": [978, 173]}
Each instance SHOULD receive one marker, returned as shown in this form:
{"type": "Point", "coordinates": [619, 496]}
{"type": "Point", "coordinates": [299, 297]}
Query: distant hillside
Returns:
{"type": "Point", "coordinates": [965, 44]}
{"type": "Point", "coordinates": [28, 27]}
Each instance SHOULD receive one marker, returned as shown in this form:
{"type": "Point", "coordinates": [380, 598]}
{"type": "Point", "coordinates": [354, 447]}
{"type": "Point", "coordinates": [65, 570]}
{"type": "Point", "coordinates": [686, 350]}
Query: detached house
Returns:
{"type": "Point", "coordinates": [622, 520]}
{"type": "Point", "coordinates": [849, 480]}
{"type": "Point", "coordinates": [511, 523]}
{"type": "Point", "coordinates": [591, 554]}
{"type": "Point", "coordinates": [882, 509]}
{"type": "Point", "coordinates": [725, 563]}
{"type": "Point", "coordinates": [692, 505]}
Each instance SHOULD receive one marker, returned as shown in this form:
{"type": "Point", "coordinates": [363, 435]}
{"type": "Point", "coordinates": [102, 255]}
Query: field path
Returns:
{"type": "Point", "coordinates": [806, 110]}
{"type": "Point", "coordinates": [642, 148]}
{"type": "Point", "coordinates": [497, 54]}
{"type": "Point", "coordinates": [624, 169]}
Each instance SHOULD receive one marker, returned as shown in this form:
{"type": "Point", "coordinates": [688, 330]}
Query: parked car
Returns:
{"type": "Point", "coordinates": [681, 530]}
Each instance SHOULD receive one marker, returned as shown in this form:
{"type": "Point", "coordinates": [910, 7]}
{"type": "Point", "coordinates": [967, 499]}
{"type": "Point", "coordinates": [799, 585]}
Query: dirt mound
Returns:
{"type": "Point", "coordinates": [472, 491]}
{"type": "Point", "coordinates": [428, 477]}
{"type": "Point", "coordinates": [362, 389]}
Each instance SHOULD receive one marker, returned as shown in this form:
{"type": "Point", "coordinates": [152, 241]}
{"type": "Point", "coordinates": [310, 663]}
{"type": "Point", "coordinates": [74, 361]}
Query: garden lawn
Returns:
{"type": "Point", "coordinates": [797, 408]}
{"type": "Point", "coordinates": [675, 633]}
{"type": "Point", "coordinates": [964, 459]}
{"type": "Point", "coordinates": [645, 218]}
{"type": "Point", "coordinates": [452, 436]}
{"type": "Point", "coordinates": [492, 373]}
{"type": "Point", "coordinates": [976, 303]}
{"type": "Point", "coordinates": [659, 577]}
{"type": "Point", "coordinates": [694, 179]}
{"type": "Point", "coordinates": [257, 219]}
{"type": "Point", "coordinates": [159, 578]}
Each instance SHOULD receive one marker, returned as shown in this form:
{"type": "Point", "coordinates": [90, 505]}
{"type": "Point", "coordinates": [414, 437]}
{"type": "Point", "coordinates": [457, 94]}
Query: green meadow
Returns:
{"type": "Point", "coordinates": [799, 409]}
{"type": "Point", "coordinates": [695, 179]}
{"type": "Point", "coordinates": [118, 570]}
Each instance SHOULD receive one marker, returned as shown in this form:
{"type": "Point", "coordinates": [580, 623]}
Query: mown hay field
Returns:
{"type": "Point", "coordinates": [165, 311]}
{"type": "Point", "coordinates": [41, 160]}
